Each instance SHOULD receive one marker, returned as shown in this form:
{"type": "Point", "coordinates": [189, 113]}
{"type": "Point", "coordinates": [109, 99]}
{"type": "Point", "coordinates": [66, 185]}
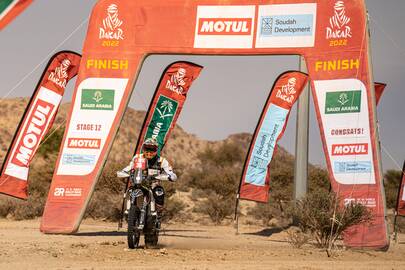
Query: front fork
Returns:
{"type": "Point", "coordinates": [142, 198]}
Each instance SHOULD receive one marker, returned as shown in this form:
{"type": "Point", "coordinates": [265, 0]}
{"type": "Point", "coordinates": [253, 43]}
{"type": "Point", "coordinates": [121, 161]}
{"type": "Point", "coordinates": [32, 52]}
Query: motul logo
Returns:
{"type": "Point", "coordinates": [349, 149]}
{"type": "Point", "coordinates": [225, 26]}
{"type": "Point", "coordinates": [33, 132]}
{"type": "Point", "coordinates": [84, 143]}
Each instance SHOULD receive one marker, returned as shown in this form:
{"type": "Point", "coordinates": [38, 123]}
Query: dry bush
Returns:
{"type": "Point", "coordinates": [6, 206]}
{"type": "Point", "coordinates": [215, 207]}
{"type": "Point", "coordinates": [296, 238]}
{"type": "Point", "coordinates": [392, 180]}
{"type": "Point", "coordinates": [265, 212]}
{"type": "Point", "coordinates": [173, 209]}
{"type": "Point", "coordinates": [325, 217]}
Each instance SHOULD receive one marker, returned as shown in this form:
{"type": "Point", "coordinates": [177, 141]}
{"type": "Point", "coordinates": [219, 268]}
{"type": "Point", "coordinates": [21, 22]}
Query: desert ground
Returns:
{"type": "Point", "coordinates": [98, 245]}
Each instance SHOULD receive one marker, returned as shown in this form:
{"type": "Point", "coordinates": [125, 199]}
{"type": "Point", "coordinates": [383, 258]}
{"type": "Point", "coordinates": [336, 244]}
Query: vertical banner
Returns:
{"type": "Point", "coordinates": [401, 195]}
{"type": "Point", "coordinates": [255, 181]}
{"type": "Point", "coordinates": [379, 90]}
{"type": "Point", "coordinates": [9, 9]}
{"type": "Point", "coordinates": [37, 119]}
{"type": "Point", "coordinates": [167, 102]}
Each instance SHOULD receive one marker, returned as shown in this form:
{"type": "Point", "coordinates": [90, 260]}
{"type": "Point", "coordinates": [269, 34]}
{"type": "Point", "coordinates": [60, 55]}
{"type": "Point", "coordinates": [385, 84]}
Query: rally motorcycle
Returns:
{"type": "Point", "coordinates": [142, 214]}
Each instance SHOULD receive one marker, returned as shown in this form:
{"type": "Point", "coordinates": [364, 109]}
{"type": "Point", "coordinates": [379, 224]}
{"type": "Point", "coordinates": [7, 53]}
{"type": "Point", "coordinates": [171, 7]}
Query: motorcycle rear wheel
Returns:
{"type": "Point", "coordinates": [133, 235]}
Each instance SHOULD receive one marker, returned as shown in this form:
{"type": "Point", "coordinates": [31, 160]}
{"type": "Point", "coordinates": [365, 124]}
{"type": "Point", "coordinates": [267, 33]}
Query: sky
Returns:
{"type": "Point", "coordinates": [231, 89]}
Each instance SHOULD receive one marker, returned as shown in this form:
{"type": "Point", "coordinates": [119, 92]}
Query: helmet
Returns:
{"type": "Point", "coordinates": [150, 148]}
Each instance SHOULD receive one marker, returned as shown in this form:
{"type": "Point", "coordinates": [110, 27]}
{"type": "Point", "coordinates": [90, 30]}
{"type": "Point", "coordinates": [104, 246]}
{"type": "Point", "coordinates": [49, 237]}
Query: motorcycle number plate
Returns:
{"type": "Point", "coordinates": [140, 163]}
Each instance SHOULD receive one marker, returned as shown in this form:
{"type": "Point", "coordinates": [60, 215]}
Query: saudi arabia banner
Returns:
{"type": "Point", "coordinates": [167, 102]}
{"type": "Point", "coordinates": [37, 120]}
{"type": "Point", "coordinates": [401, 195]}
{"type": "Point", "coordinates": [255, 181]}
{"type": "Point", "coordinates": [9, 9]}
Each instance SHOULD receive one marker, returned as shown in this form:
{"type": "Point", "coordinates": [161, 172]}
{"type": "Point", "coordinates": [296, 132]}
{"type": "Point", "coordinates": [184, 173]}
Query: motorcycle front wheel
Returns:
{"type": "Point", "coordinates": [133, 222]}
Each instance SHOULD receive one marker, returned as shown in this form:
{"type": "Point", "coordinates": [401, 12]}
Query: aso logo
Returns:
{"type": "Point", "coordinates": [60, 75]}
{"type": "Point", "coordinates": [349, 149]}
{"type": "Point", "coordinates": [288, 91]}
{"type": "Point", "coordinates": [59, 192]}
{"type": "Point", "coordinates": [33, 132]}
{"type": "Point", "coordinates": [339, 27]}
{"type": "Point", "coordinates": [111, 25]}
{"type": "Point", "coordinates": [177, 81]}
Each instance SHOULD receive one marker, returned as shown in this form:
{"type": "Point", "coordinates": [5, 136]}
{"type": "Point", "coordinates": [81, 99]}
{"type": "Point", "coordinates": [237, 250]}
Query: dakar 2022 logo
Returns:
{"type": "Point", "coordinates": [339, 30]}
{"type": "Point", "coordinates": [111, 31]}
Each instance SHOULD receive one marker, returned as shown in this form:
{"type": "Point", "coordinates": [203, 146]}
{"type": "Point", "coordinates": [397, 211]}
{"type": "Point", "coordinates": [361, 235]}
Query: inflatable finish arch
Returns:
{"type": "Point", "coordinates": [331, 35]}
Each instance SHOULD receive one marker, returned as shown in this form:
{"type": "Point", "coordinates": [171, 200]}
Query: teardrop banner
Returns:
{"type": "Point", "coordinates": [37, 120]}
{"type": "Point", "coordinates": [379, 90]}
{"type": "Point", "coordinates": [167, 103]}
{"type": "Point", "coordinates": [9, 9]}
{"type": "Point", "coordinates": [255, 181]}
{"type": "Point", "coordinates": [332, 36]}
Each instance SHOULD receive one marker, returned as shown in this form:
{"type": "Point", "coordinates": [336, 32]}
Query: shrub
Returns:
{"type": "Point", "coordinates": [325, 218]}
{"type": "Point", "coordinates": [216, 207]}
{"type": "Point", "coordinates": [265, 212]}
{"type": "Point", "coordinates": [392, 180]}
{"type": "Point", "coordinates": [173, 208]}
{"type": "Point", "coordinates": [296, 238]}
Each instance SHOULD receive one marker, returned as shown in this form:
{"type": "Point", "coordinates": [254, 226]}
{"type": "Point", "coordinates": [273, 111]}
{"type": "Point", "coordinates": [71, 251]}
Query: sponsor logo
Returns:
{"type": "Point", "coordinates": [346, 131]}
{"type": "Point", "coordinates": [287, 25]}
{"type": "Point", "coordinates": [347, 167]}
{"type": "Point", "coordinates": [78, 159]}
{"type": "Point", "coordinates": [162, 119]}
{"type": "Point", "coordinates": [111, 25]}
{"type": "Point", "coordinates": [33, 132]}
{"type": "Point", "coordinates": [67, 192]}
{"type": "Point", "coordinates": [343, 102]}
{"type": "Point", "coordinates": [60, 75]}
{"type": "Point", "coordinates": [339, 29]}
{"type": "Point", "coordinates": [107, 64]}
{"type": "Point", "coordinates": [97, 99]}
{"type": "Point", "coordinates": [349, 149]}
{"type": "Point", "coordinates": [225, 26]}
{"type": "Point", "coordinates": [288, 91]}
{"type": "Point", "coordinates": [336, 65]}
{"type": "Point", "coordinates": [177, 81]}
{"type": "Point", "coordinates": [82, 143]}
{"type": "Point", "coordinates": [88, 127]}
{"type": "Point", "coordinates": [367, 202]}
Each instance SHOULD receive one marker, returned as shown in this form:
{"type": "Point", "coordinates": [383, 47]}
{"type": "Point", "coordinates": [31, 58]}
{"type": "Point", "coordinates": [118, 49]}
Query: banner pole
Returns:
{"type": "Point", "coordinates": [375, 123]}
{"type": "Point", "coordinates": [301, 140]}
{"type": "Point", "coordinates": [236, 217]}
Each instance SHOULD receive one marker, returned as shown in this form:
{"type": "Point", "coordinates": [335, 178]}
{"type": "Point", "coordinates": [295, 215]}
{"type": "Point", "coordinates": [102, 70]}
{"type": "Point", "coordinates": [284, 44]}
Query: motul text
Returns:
{"type": "Point", "coordinates": [33, 132]}
{"type": "Point", "coordinates": [349, 149]}
{"type": "Point", "coordinates": [225, 26]}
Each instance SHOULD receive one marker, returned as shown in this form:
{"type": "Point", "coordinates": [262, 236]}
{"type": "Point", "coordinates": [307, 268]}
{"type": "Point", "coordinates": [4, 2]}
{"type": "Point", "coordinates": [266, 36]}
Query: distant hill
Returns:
{"type": "Point", "coordinates": [182, 147]}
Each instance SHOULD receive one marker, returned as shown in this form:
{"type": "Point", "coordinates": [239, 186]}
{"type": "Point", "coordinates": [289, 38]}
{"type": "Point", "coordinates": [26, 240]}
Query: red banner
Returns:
{"type": "Point", "coordinates": [401, 195]}
{"type": "Point", "coordinates": [37, 120]}
{"type": "Point", "coordinates": [255, 181]}
{"type": "Point", "coordinates": [379, 90]}
{"type": "Point", "coordinates": [331, 35]}
{"type": "Point", "coordinates": [167, 102]}
{"type": "Point", "coordinates": [11, 9]}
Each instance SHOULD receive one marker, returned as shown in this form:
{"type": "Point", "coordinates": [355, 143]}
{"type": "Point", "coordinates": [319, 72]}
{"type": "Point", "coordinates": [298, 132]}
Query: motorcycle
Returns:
{"type": "Point", "coordinates": [142, 214]}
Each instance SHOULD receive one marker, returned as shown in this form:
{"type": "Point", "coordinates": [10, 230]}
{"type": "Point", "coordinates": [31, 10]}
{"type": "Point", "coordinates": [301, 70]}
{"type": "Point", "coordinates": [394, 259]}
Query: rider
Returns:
{"type": "Point", "coordinates": [158, 167]}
